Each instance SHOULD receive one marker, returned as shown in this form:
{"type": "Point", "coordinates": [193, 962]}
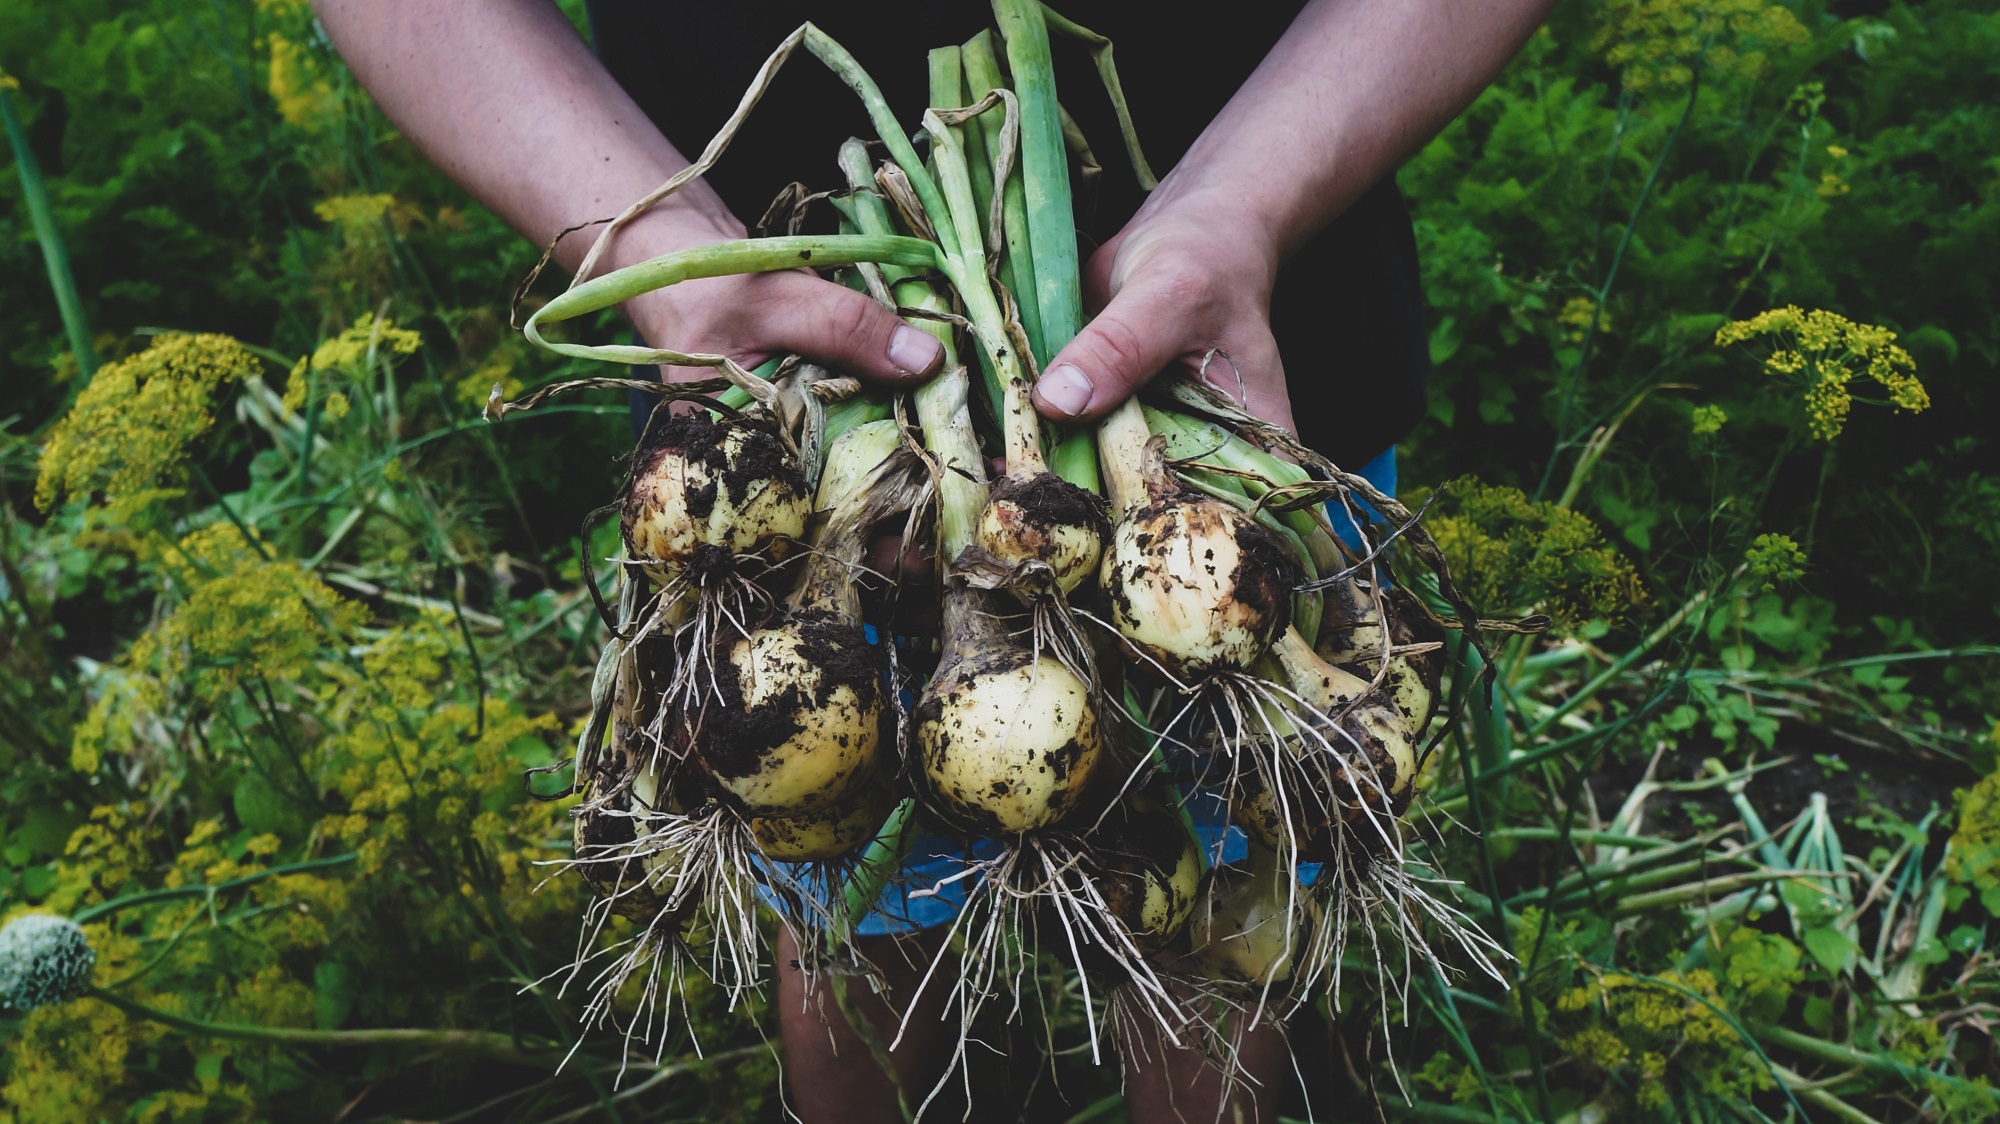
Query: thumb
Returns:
{"type": "Point", "coordinates": [1140, 332]}
{"type": "Point", "coordinates": [842, 328]}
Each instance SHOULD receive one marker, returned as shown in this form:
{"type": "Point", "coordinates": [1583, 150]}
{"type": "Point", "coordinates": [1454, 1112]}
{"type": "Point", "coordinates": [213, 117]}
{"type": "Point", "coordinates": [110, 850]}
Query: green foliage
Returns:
{"type": "Point", "coordinates": [1974, 859]}
{"type": "Point", "coordinates": [282, 621]}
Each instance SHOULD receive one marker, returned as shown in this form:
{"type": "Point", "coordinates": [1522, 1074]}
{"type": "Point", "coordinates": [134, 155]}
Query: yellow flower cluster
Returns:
{"type": "Point", "coordinates": [73, 1061]}
{"type": "Point", "coordinates": [1706, 420]}
{"type": "Point", "coordinates": [348, 355]}
{"type": "Point", "coordinates": [1660, 43]}
{"type": "Point", "coordinates": [67, 1061]}
{"type": "Point", "coordinates": [125, 435]}
{"type": "Point", "coordinates": [240, 620]}
{"type": "Point", "coordinates": [1826, 351]}
{"type": "Point", "coordinates": [349, 211]}
{"type": "Point", "coordinates": [409, 767]}
{"type": "Point", "coordinates": [1775, 559]}
{"type": "Point", "coordinates": [1576, 315]}
{"type": "Point", "coordinates": [1510, 554]}
{"type": "Point", "coordinates": [1655, 1024]}
{"type": "Point", "coordinates": [498, 370]}
{"type": "Point", "coordinates": [303, 95]}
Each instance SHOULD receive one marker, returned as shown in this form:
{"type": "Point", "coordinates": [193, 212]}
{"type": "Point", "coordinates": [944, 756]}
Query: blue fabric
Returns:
{"type": "Point", "coordinates": [1380, 472]}
{"type": "Point", "coordinates": [935, 859]}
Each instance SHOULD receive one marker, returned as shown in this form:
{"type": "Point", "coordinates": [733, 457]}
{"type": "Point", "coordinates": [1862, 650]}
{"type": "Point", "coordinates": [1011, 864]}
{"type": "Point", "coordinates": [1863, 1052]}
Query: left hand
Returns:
{"type": "Point", "coordinates": [1171, 287]}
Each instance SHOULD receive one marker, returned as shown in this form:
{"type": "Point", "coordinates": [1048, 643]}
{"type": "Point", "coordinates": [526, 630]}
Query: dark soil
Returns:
{"type": "Point", "coordinates": [1857, 780]}
{"type": "Point", "coordinates": [702, 440]}
{"type": "Point", "coordinates": [1265, 574]}
{"type": "Point", "coordinates": [735, 738]}
{"type": "Point", "coordinates": [1047, 500]}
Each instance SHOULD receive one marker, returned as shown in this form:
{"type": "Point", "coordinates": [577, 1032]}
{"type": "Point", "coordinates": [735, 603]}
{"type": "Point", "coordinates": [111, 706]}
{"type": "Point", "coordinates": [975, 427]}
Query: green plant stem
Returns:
{"type": "Point", "coordinates": [1044, 173]}
{"type": "Point", "coordinates": [1834, 1053]}
{"type": "Point", "coordinates": [487, 1043]}
{"type": "Point", "coordinates": [878, 860]}
{"type": "Point", "coordinates": [966, 263]}
{"type": "Point", "coordinates": [720, 259]}
{"type": "Point", "coordinates": [1107, 71]}
{"type": "Point", "coordinates": [1017, 268]}
{"type": "Point", "coordinates": [1653, 639]}
{"type": "Point", "coordinates": [55, 254]}
{"type": "Point", "coordinates": [1575, 378]}
{"type": "Point", "coordinates": [1058, 275]}
{"type": "Point", "coordinates": [941, 403]}
{"type": "Point", "coordinates": [1635, 904]}
{"type": "Point", "coordinates": [174, 893]}
{"type": "Point", "coordinates": [891, 133]}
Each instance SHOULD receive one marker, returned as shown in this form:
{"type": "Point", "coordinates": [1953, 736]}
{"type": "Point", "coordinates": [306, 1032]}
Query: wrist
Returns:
{"type": "Point", "coordinates": [1238, 241]}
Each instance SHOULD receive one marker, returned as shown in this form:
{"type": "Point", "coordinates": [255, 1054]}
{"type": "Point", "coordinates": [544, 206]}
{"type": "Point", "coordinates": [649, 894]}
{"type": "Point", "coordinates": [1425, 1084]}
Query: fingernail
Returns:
{"type": "Point", "coordinates": [1065, 387]}
{"type": "Point", "coordinates": [912, 351]}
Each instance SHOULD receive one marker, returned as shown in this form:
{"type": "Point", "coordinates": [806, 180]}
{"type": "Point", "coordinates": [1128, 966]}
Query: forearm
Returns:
{"type": "Point", "coordinates": [1351, 89]}
{"type": "Point", "coordinates": [506, 99]}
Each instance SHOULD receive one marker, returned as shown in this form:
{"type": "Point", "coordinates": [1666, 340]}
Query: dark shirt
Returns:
{"type": "Point", "coordinates": [1347, 310]}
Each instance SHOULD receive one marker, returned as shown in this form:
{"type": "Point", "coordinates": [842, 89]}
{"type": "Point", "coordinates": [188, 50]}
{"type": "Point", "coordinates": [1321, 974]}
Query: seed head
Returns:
{"type": "Point", "coordinates": [44, 959]}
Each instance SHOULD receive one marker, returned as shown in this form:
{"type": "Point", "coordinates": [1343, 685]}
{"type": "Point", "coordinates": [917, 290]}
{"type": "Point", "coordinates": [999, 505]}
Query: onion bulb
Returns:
{"type": "Point", "coordinates": [1195, 586]}
{"type": "Point", "coordinates": [1040, 517]}
{"type": "Point", "coordinates": [703, 489]}
{"type": "Point", "coordinates": [608, 825]}
{"type": "Point", "coordinates": [1009, 741]}
{"type": "Point", "coordinates": [1147, 866]}
{"type": "Point", "coordinates": [829, 833]}
{"type": "Point", "coordinates": [1248, 929]}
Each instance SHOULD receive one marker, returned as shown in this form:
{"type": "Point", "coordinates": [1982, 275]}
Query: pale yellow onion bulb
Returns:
{"type": "Point", "coordinates": [801, 719]}
{"type": "Point", "coordinates": [1149, 872]}
{"type": "Point", "coordinates": [1196, 586]}
{"type": "Point", "coordinates": [1249, 931]}
{"type": "Point", "coordinates": [1009, 742]}
{"type": "Point", "coordinates": [700, 483]}
{"type": "Point", "coordinates": [829, 833]}
{"type": "Point", "coordinates": [1047, 519]}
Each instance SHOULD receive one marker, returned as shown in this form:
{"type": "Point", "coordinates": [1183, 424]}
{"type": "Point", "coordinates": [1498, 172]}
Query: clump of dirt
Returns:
{"type": "Point", "coordinates": [1265, 573]}
{"type": "Point", "coordinates": [1047, 500]}
{"type": "Point", "coordinates": [735, 738]}
{"type": "Point", "coordinates": [700, 439]}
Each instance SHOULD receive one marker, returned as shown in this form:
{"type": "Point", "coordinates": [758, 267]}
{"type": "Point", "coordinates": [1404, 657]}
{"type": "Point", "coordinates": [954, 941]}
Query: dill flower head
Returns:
{"type": "Point", "coordinates": [1822, 353]}
{"type": "Point", "coordinates": [44, 959]}
{"type": "Point", "coordinates": [1510, 554]}
{"type": "Point", "coordinates": [1658, 44]}
{"type": "Point", "coordinates": [345, 359]}
{"type": "Point", "coordinates": [1775, 559]}
{"type": "Point", "coordinates": [126, 433]}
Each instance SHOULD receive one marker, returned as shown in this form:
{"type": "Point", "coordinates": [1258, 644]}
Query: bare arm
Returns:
{"type": "Point", "coordinates": [1351, 89]}
{"type": "Point", "coordinates": [507, 100]}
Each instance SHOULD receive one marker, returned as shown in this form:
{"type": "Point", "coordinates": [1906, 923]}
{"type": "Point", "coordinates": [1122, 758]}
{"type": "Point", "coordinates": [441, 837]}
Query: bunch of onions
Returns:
{"type": "Point", "coordinates": [754, 723]}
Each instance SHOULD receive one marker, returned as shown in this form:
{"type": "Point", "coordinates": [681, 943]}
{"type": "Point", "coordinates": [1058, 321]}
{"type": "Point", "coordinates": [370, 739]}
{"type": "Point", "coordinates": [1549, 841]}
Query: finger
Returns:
{"type": "Point", "coordinates": [842, 328]}
{"type": "Point", "coordinates": [1140, 331]}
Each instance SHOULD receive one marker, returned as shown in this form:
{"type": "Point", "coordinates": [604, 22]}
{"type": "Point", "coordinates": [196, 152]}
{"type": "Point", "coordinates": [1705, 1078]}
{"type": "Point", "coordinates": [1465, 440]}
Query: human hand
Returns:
{"type": "Point", "coordinates": [754, 317]}
{"type": "Point", "coordinates": [1179, 282]}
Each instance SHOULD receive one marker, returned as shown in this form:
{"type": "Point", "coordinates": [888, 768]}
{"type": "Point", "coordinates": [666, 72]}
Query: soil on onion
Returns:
{"type": "Point", "coordinates": [1047, 500]}
{"type": "Point", "coordinates": [701, 439]}
{"type": "Point", "coordinates": [735, 738]}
